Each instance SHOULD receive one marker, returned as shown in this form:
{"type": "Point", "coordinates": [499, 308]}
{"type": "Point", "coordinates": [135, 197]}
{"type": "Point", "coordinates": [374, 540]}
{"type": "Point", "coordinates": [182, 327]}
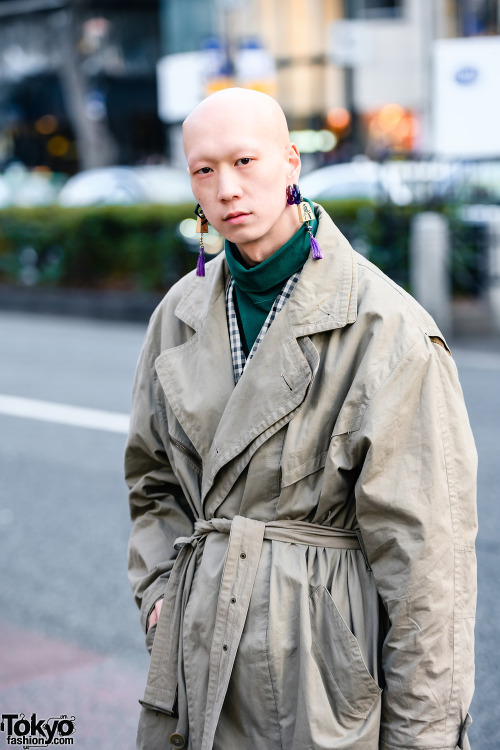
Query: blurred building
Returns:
{"type": "Point", "coordinates": [94, 82]}
{"type": "Point", "coordinates": [78, 83]}
{"type": "Point", "coordinates": [361, 70]}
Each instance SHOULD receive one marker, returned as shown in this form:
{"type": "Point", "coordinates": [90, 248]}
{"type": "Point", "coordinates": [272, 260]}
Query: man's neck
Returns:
{"type": "Point", "coordinates": [262, 248]}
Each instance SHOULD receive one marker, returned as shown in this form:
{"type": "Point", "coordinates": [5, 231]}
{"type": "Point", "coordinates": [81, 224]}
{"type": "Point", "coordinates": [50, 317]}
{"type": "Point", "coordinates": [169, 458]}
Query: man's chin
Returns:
{"type": "Point", "coordinates": [241, 233]}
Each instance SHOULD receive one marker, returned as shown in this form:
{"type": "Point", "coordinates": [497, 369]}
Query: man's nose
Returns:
{"type": "Point", "coordinates": [229, 186]}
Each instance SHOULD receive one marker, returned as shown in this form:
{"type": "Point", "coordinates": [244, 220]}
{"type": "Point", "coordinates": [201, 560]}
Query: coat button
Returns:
{"type": "Point", "coordinates": [177, 740]}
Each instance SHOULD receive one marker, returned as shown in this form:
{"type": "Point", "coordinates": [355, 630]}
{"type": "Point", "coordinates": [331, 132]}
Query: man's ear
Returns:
{"type": "Point", "coordinates": [293, 160]}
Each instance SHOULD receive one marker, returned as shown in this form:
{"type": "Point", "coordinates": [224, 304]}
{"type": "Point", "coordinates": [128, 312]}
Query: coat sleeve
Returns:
{"type": "Point", "coordinates": [158, 508]}
{"type": "Point", "coordinates": [416, 507]}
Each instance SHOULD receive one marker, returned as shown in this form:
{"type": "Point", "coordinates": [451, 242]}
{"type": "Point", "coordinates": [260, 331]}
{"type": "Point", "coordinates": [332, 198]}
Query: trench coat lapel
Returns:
{"type": "Point", "coordinates": [197, 376]}
{"type": "Point", "coordinates": [275, 382]}
{"type": "Point", "coordinates": [271, 389]}
{"type": "Point", "coordinates": [222, 421]}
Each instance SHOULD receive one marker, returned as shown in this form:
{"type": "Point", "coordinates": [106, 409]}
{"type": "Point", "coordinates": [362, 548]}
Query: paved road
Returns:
{"type": "Point", "coordinates": [70, 640]}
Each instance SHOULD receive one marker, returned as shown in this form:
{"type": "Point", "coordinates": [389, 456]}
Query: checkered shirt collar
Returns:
{"type": "Point", "coordinates": [240, 361]}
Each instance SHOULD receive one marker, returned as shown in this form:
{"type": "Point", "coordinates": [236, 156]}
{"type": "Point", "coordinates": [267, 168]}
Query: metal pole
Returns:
{"type": "Point", "coordinates": [429, 266]}
{"type": "Point", "coordinates": [494, 267]}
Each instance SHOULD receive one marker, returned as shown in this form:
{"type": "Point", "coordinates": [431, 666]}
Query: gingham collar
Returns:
{"type": "Point", "coordinates": [239, 359]}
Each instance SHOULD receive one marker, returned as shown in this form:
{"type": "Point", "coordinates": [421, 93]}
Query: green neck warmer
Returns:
{"type": "Point", "coordinates": [256, 288]}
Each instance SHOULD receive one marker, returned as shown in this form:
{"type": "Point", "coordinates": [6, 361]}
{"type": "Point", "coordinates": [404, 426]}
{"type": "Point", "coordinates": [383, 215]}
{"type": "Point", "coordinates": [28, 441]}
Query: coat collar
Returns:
{"type": "Point", "coordinates": [224, 422]}
{"type": "Point", "coordinates": [325, 295]}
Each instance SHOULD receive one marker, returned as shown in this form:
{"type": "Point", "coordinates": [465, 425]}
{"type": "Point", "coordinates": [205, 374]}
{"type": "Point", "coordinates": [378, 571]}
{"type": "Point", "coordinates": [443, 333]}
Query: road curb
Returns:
{"type": "Point", "coordinates": [85, 303]}
{"type": "Point", "coordinates": [471, 321]}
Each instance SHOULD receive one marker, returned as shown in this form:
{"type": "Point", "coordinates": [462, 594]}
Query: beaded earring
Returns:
{"type": "Point", "coordinates": [201, 227]}
{"type": "Point", "coordinates": [293, 196]}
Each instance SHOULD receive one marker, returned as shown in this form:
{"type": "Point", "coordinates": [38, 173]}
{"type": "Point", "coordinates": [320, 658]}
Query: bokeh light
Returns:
{"type": "Point", "coordinates": [46, 125]}
{"type": "Point", "coordinates": [339, 119]}
{"type": "Point", "coordinates": [58, 146]}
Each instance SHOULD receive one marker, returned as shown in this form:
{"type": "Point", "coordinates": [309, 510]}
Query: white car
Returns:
{"type": "Point", "coordinates": [356, 179]}
{"type": "Point", "coordinates": [4, 194]}
{"type": "Point", "coordinates": [401, 182]}
{"type": "Point", "coordinates": [21, 187]}
{"type": "Point", "coordinates": [126, 186]}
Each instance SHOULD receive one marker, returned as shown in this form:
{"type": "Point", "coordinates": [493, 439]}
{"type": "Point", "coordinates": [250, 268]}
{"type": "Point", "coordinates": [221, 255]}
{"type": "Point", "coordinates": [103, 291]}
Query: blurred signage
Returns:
{"type": "Point", "coordinates": [218, 70]}
{"type": "Point", "coordinates": [351, 43]}
{"type": "Point", "coordinates": [466, 76]}
{"type": "Point", "coordinates": [254, 66]}
{"type": "Point", "coordinates": [466, 97]}
{"type": "Point", "coordinates": [184, 79]}
{"type": "Point", "coordinates": [180, 84]}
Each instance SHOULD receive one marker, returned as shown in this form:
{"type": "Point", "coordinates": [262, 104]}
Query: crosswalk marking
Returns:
{"type": "Point", "coordinates": [76, 416]}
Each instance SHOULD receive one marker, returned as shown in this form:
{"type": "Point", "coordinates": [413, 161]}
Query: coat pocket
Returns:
{"type": "Point", "coordinates": [338, 656]}
{"type": "Point", "coordinates": [188, 453]}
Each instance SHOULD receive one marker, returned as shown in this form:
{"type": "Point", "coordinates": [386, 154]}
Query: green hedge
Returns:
{"type": "Point", "coordinates": [382, 233]}
{"type": "Point", "coordinates": [124, 247]}
{"type": "Point", "coordinates": [140, 247]}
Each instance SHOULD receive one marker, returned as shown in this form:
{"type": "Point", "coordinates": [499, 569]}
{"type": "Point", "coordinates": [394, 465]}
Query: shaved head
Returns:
{"type": "Point", "coordinates": [236, 105]}
{"type": "Point", "coordinates": [240, 160]}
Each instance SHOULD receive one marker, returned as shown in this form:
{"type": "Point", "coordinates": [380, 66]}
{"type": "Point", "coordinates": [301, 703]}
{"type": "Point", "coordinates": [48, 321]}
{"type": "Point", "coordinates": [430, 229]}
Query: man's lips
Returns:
{"type": "Point", "coordinates": [236, 217]}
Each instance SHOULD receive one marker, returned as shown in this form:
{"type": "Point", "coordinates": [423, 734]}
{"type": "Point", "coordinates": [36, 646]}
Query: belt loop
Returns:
{"type": "Point", "coordinates": [463, 742]}
{"type": "Point", "coordinates": [363, 549]}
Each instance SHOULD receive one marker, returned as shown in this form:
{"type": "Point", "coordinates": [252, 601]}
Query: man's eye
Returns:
{"type": "Point", "coordinates": [204, 170]}
{"type": "Point", "coordinates": [245, 160]}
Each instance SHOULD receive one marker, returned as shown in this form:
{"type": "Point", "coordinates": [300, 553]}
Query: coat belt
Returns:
{"type": "Point", "coordinates": [246, 538]}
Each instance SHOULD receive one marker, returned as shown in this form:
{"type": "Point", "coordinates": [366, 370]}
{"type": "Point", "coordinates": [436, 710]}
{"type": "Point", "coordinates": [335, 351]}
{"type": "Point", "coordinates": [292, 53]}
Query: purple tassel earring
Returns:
{"type": "Point", "coordinates": [200, 263]}
{"type": "Point", "coordinates": [316, 250]}
{"type": "Point", "coordinates": [201, 226]}
{"type": "Point", "coordinates": [293, 196]}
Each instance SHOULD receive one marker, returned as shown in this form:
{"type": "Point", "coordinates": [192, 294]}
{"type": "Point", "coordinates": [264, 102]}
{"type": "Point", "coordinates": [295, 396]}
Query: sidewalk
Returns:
{"type": "Point", "coordinates": [83, 303]}
{"type": "Point", "coordinates": [51, 678]}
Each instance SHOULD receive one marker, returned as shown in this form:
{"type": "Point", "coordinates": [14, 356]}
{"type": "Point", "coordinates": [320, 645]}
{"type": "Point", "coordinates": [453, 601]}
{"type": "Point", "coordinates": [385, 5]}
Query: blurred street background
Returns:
{"type": "Point", "coordinates": [395, 107]}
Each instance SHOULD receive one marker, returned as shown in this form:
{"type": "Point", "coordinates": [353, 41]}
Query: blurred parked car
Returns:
{"type": "Point", "coordinates": [356, 179]}
{"type": "Point", "coordinates": [401, 182]}
{"type": "Point", "coordinates": [127, 185]}
{"type": "Point", "coordinates": [4, 193]}
{"type": "Point", "coordinates": [21, 187]}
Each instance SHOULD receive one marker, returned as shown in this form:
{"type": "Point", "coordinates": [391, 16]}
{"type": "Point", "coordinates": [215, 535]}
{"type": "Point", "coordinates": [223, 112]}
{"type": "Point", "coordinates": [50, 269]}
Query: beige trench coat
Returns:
{"type": "Point", "coordinates": [278, 629]}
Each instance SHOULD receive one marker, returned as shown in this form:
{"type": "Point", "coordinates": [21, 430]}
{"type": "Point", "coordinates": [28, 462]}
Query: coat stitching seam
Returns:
{"type": "Point", "coordinates": [271, 681]}
{"type": "Point", "coordinates": [375, 394]}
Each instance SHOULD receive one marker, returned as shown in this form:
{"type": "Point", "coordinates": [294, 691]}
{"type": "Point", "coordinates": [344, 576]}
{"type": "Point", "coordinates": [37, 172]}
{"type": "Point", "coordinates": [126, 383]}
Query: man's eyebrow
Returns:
{"type": "Point", "coordinates": [249, 148]}
{"type": "Point", "coordinates": [236, 151]}
{"type": "Point", "coordinates": [200, 161]}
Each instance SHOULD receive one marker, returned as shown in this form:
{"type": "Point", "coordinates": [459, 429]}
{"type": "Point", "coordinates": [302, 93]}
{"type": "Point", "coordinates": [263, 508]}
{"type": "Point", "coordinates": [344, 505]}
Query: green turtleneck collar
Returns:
{"type": "Point", "coordinates": [276, 269]}
{"type": "Point", "coordinates": [257, 287]}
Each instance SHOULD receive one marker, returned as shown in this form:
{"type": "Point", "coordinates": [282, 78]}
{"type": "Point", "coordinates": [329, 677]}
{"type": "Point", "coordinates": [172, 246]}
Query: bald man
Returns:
{"type": "Point", "coordinates": [302, 480]}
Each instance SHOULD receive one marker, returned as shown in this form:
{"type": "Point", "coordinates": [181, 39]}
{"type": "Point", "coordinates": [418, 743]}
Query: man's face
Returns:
{"type": "Point", "coordinates": [239, 172]}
